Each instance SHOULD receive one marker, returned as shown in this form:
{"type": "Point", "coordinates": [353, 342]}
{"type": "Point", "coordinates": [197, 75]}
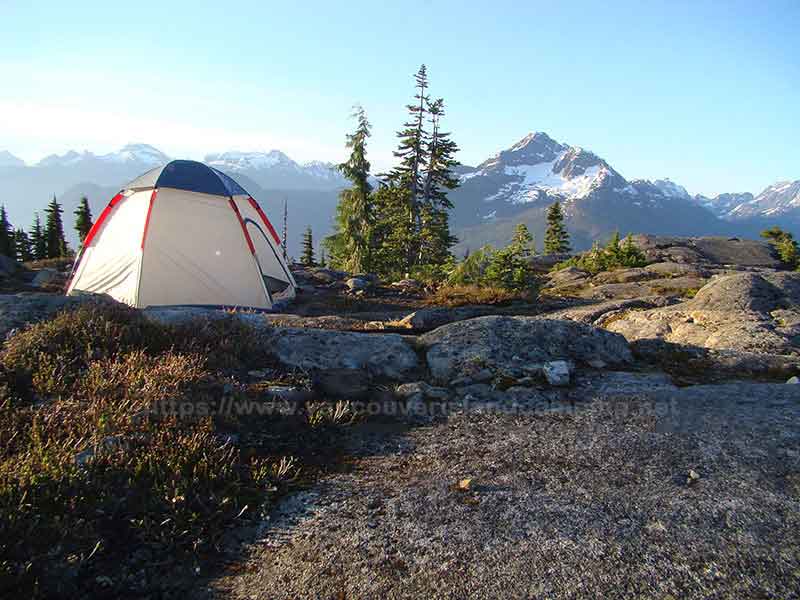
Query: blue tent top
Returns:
{"type": "Point", "coordinates": [188, 175]}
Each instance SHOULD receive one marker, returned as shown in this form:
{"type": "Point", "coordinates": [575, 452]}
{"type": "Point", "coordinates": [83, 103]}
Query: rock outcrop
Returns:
{"type": "Point", "coordinates": [749, 312]}
{"type": "Point", "coordinates": [516, 345]}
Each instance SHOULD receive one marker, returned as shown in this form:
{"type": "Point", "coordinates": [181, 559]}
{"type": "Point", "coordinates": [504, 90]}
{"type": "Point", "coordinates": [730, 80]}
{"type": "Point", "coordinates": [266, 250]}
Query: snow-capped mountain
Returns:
{"type": "Point", "coordinates": [518, 184]}
{"type": "Point", "coordinates": [722, 204]}
{"type": "Point", "coordinates": [537, 166]}
{"type": "Point", "coordinates": [275, 169]}
{"type": "Point", "coordinates": [781, 199]}
{"type": "Point", "coordinates": [134, 155]}
{"type": "Point", "coordinates": [9, 160]}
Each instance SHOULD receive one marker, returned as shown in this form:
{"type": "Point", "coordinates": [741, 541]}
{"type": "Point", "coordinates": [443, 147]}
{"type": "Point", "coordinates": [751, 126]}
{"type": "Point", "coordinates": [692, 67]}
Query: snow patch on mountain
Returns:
{"type": "Point", "coordinates": [244, 161]}
{"type": "Point", "coordinates": [142, 155]}
{"type": "Point", "coordinates": [671, 189]}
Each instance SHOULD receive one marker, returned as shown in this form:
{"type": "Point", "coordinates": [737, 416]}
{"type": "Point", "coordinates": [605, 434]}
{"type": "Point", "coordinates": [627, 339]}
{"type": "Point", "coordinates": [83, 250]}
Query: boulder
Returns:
{"type": "Point", "coordinates": [597, 314]}
{"type": "Point", "coordinates": [509, 344]}
{"type": "Point", "coordinates": [708, 251]}
{"type": "Point", "coordinates": [355, 284]}
{"type": "Point", "coordinates": [746, 311]}
{"type": "Point", "coordinates": [48, 278]}
{"type": "Point", "coordinates": [381, 356]}
{"type": "Point", "coordinates": [323, 275]}
{"type": "Point", "coordinates": [408, 286]}
{"type": "Point", "coordinates": [557, 372]}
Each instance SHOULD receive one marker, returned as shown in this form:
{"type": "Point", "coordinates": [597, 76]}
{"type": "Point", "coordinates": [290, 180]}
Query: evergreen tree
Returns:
{"type": "Point", "coordinates": [38, 239]}
{"type": "Point", "coordinates": [413, 154]}
{"type": "Point", "coordinates": [22, 246]}
{"type": "Point", "coordinates": [522, 241]}
{"type": "Point", "coordinates": [355, 219]}
{"type": "Point", "coordinates": [83, 219]}
{"type": "Point", "coordinates": [435, 237]}
{"type": "Point", "coordinates": [556, 238]}
{"type": "Point", "coordinates": [323, 262]}
{"type": "Point", "coordinates": [307, 257]}
{"type": "Point", "coordinates": [630, 254]}
{"type": "Point", "coordinates": [54, 230]}
{"type": "Point", "coordinates": [785, 245]}
{"type": "Point", "coordinates": [6, 234]}
{"type": "Point", "coordinates": [285, 229]}
{"type": "Point", "coordinates": [394, 232]}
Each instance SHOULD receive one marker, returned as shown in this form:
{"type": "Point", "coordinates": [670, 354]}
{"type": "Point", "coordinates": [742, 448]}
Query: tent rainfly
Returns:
{"type": "Point", "coordinates": [184, 234]}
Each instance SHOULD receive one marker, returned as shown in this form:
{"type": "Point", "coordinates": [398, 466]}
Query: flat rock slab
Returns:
{"type": "Point", "coordinates": [386, 356]}
{"type": "Point", "coordinates": [18, 310]}
{"type": "Point", "coordinates": [508, 344]}
{"type": "Point", "coordinates": [593, 504]}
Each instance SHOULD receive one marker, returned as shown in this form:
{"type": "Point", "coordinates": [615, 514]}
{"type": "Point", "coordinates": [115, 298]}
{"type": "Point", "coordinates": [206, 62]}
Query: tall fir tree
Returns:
{"type": "Point", "coordinates": [413, 153]}
{"type": "Point", "coordinates": [6, 234]}
{"type": "Point", "coordinates": [38, 239]}
{"type": "Point", "coordinates": [355, 219]}
{"type": "Point", "coordinates": [556, 238]}
{"type": "Point", "coordinates": [54, 230]}
{"type": "Point", "coordinates": [83, 219]}
{"type": "Point", "coordinates": [22, 246]}
{"type": "Point", "coordinates": [307, 257]}
{"type": "Point", "coordinates": [435, 237]}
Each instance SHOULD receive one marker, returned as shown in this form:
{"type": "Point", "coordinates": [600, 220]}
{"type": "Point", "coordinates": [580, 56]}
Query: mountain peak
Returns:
{"type": "Point", "coordinates": [9, 160]}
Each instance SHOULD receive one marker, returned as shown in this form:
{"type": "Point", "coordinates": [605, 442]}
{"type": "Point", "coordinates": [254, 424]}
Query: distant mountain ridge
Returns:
{"type": "Point", "coordinates": [514, 185]}
{"type": "Point", "coordinates": [517, 185]}
{"type": "Point", "coordinates": [310, 189]}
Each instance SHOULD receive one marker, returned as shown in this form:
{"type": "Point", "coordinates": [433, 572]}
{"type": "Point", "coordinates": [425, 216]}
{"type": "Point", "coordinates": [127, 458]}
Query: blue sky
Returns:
{"type": "Point", "coordinates": [706, 93]}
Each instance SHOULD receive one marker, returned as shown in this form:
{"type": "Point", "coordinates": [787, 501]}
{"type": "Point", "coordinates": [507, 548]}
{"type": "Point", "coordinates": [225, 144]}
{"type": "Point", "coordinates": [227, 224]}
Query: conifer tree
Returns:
{"type": "Point", "coordinates": [6, 235]}
{"type": "Point", "coordinates": [38, 239]}
{"type": "Point", "coordinates": [54, 230]}
{"type": "Point", "coordinates": [413, 152]}
{"type": "Point", "coordinates": [435, 237]}
{"type": "Point", "coordinates": [556, 238]}
{"type": "Point", "coordinates": [22, 246]}
{"type": "Point", "coordinates": [307, 257]}
{"type": "Point", "coordinates": [523, 242]}
{"type": "Point", "coordinates": [83, 219]}
{"type": "Point", "coordinates": [355, 218]}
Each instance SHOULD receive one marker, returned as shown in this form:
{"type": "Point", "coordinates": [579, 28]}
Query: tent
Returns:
{"type": "Point", "coordinates": [184, 234]}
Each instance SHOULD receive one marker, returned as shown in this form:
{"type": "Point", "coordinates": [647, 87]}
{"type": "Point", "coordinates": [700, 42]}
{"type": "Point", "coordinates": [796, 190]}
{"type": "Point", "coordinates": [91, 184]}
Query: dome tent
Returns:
{"type": "Point", "coordinates": [184, 234]}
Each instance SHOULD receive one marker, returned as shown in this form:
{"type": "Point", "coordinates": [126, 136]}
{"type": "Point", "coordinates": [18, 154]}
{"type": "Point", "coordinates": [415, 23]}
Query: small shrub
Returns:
{"type": "Point", "coordinates": [462, 295]}
{"type": "Point", "coordinates": [614, 255]}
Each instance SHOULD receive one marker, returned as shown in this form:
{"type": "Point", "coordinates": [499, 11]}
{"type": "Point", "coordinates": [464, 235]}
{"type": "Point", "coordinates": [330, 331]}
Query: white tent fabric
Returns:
{"type": "Point", "coordinates": [192, 244]}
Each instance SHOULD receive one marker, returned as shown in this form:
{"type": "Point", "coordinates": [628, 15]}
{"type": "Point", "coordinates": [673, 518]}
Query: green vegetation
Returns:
{"type": "Point", "coordinates": [54, 231]}
{"type": "Point", "coordinates": [6, 234]}
{"type": "Point", "coordinates": [38, 240]}
{"type": "Point", "coordinates": [505, 269]}
{"type": "Point", "coordinates": [401, 228]}
{"type": "Point", "coordinates": [83, 219]}
{"type": "Point", "coordinates": [785, 245]}
{"type": "Point", "coordinates": [103, 492]}
{"type": "Point", "coordinates": [307, 257]}
{"type": "Point", "coordinates": [614, 255]}
{"type": "Point", "coordinates": [556, 238]}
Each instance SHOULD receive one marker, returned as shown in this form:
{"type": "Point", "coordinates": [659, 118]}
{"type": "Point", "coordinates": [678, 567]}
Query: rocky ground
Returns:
{"type": "Point", "coordinates": [630, 434]}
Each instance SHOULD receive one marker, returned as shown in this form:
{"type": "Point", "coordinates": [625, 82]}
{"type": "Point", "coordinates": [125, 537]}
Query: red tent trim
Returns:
{"type": "Point", "coordinates": [264, 218]}
{"type": "Point", "coordinates": [147, 218]}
